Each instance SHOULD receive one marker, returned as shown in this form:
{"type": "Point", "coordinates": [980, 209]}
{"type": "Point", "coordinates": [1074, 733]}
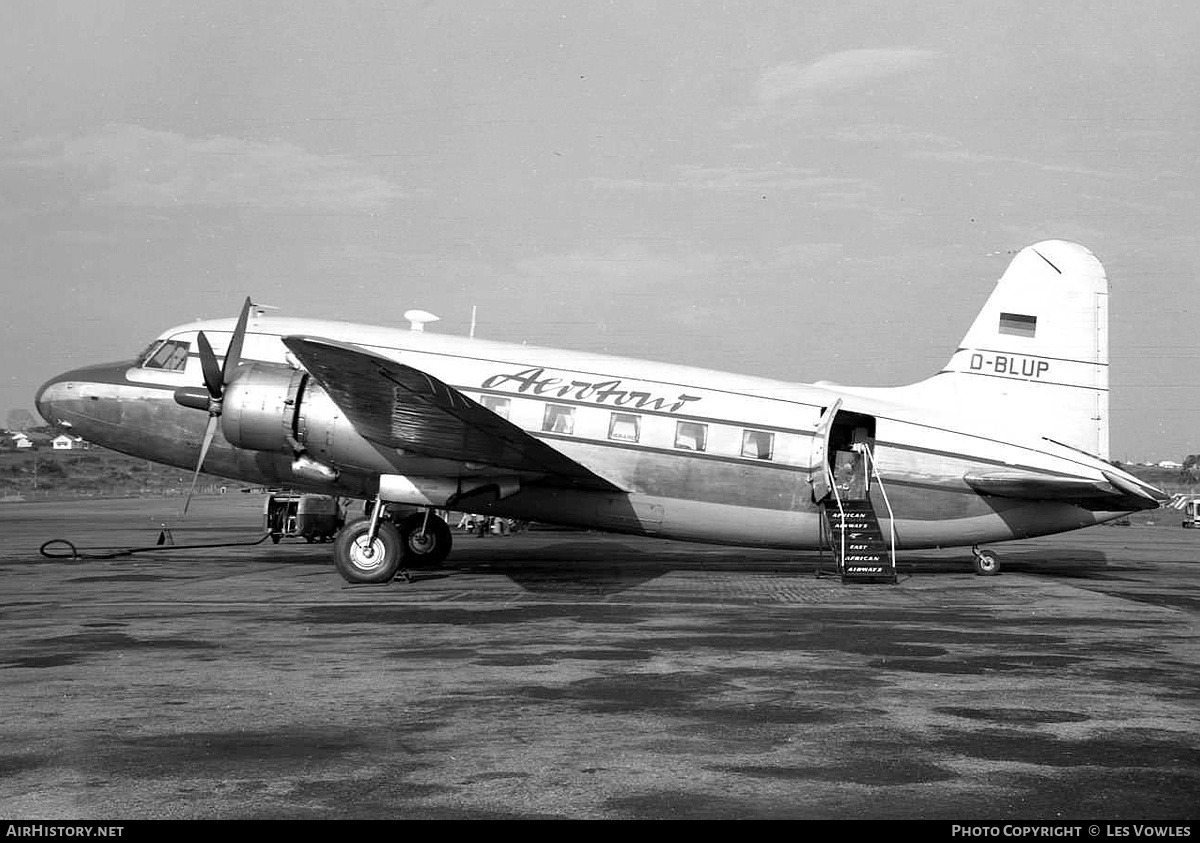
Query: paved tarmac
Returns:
{"type": "Point", "coordinates": [572, 675]}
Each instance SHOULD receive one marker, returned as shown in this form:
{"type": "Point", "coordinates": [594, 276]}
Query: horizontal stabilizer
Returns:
{"type": "Point", "coordinates": [1136, 488]}
{"type": "Point", "coordinates": [1033, 486]}
{"type": "Point", "coordinates": [1115, 493]}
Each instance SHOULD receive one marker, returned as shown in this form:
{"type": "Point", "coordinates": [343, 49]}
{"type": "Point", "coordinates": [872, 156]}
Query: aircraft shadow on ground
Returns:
{"type": "Point", "coordinates": [601, 565]}
{"type": "Point", "coordinates": [616, 565]}
{"type": "Point", "coordinates": [1064, 564]}
{"type": "Point", "coordinates": [565, 567]}
{"type": "Point", "coordinates": [1067, 563]}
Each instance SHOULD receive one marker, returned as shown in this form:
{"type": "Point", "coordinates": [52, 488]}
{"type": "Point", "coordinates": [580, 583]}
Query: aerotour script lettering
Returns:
{"type": "Point", "coordinates": [534, 381]}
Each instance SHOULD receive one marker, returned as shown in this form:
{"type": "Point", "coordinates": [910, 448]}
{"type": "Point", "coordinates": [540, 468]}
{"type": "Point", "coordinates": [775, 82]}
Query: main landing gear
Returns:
{"type": "Point", "coordinates": [986, 563]}
{"type": "Point", "coordinates": [426, 539]}
{"type": "Point", "coordinates": [367, 553]}
{"type": "Point", "coordinates": [376, 550]}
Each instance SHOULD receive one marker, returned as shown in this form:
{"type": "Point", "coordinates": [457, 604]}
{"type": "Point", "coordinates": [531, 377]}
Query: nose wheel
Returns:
{"type": "Point", "coordinates": [986, 563]}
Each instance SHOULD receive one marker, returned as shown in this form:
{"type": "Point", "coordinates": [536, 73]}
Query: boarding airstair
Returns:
{"type": "Point", "coordinates": [862, 550]}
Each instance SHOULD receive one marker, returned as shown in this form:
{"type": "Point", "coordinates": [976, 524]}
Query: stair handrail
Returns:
{"type": "Point", "coordinates": [841, 558]}
{"type": "Point", "coordinates": [874, 469]}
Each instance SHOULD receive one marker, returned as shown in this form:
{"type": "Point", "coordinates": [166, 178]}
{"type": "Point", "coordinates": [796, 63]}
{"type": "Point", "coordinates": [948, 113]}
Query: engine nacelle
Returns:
{"type": "Point", "coordinates": [275, 408]}
{"type": "Point", "coordinates": [259, 411]}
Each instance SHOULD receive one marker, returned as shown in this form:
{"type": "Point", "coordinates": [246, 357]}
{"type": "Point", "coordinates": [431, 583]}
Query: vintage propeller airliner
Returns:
{"type": "Point", "coordinates": [1009, 440]}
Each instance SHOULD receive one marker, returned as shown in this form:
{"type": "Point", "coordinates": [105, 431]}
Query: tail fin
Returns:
{"type": "Point", "coordinates": [1037, 354]}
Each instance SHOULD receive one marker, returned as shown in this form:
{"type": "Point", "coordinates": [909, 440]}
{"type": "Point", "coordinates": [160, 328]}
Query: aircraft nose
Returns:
{"type": "Point", "coordinates": [60, 400]}
{"type": "Point", "coordinates": [44, 399]}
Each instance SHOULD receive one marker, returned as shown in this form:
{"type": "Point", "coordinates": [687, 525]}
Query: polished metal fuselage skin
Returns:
{"type": "Point", "coordinates": [719, 494]}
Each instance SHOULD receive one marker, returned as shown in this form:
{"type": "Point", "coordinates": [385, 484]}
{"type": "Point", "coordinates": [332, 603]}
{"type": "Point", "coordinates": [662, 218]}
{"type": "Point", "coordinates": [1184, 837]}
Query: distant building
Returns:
{"type": "Point", "coordinates": [1170, 464]}
{"type": "Point", "coordinates": [66, 442]}
{"type": "Point", "coordinates": [21, 441]}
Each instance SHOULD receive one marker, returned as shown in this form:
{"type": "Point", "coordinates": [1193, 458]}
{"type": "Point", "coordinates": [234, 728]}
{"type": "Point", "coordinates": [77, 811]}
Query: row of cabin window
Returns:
{"type": "Point", "coordinates": [627, 427]}
{"type": "Point", "coordinates": [171, 355]}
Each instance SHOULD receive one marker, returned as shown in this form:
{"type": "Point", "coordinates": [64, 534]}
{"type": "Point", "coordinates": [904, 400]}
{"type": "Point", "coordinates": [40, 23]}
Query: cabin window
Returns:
{"type": "Point", "coordinates": [496, 404]}
{"type": "Point", "coordinates": [625, 427]}
{"type": "Point", "coordinates": [758, 444]}
{"type": "Point", "coordinates": [169, 355]}
{"type": "Point", "coordinates": [558, 419]}
{"type": "Point", "coordinates": [691, 436]}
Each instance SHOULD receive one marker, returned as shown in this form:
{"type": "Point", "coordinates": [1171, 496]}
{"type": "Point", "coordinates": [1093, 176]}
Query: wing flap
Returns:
{"type": "Point", "coordinates": [398, 406]}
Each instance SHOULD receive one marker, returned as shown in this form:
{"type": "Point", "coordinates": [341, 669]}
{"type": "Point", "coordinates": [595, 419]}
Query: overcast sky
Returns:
{"type": "Point", "coordinates": [801, 190]}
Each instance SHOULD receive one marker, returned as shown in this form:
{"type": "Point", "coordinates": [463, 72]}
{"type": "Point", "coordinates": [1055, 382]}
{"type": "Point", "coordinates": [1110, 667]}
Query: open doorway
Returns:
{"type": "Point", "coordinates": [851, 472]}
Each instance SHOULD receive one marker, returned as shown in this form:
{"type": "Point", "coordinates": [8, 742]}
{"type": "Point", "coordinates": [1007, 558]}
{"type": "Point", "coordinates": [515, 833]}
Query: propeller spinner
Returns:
{"type": "Point", "coordinates": [216, 380]}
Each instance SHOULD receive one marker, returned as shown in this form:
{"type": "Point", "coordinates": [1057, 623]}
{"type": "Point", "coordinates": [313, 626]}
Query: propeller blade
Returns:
{"type": "Point", "coordinates": [216, 379]}
{"type": "Point", "coordinates": [234, 354]}
{"type": "Point", "coordinates": [208, 364]}
{"type": "Point", "coordinates": [208, 438]}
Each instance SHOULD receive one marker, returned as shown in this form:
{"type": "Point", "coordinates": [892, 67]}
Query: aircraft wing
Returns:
{"type": "Point", "coordinates": [1115, 491]}
{"type": "Point", "coordinates": [398, 406]}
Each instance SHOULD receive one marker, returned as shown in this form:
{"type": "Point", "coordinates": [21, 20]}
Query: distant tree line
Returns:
{"type": "Point", "coordinates": [1191, 468]}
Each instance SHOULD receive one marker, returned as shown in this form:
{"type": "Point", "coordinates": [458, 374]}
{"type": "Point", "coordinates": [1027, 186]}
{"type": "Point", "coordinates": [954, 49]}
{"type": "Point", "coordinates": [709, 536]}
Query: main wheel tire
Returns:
{"type": "Point", "coordinates": [359, 562]}
{"type": "Point", "coordinates": [986, 564]}
{"type": "Point", "coordinates": [426, 545]}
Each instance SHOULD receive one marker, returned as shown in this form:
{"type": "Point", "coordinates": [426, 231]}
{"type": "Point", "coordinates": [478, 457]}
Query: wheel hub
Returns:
{"type": "Point", "coordinates": [421, 542]}
{"type": "Point", "coordinates": [366, 556]}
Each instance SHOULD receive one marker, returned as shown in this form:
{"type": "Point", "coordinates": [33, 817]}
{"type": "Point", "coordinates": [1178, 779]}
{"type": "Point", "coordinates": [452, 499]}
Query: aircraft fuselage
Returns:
{"type": "Point", "coordinates": [700, 455]}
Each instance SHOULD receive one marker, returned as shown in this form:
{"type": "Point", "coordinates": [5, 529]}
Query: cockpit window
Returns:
{"type": "Point", "coordinates": [169, 355]}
